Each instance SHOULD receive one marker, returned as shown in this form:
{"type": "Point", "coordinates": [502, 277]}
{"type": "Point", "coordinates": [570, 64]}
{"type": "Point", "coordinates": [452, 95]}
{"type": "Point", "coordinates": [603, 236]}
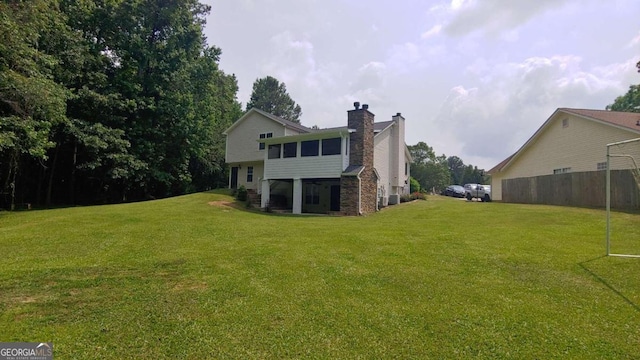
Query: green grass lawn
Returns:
{"type": "Point", "coordinates": [443, 278]}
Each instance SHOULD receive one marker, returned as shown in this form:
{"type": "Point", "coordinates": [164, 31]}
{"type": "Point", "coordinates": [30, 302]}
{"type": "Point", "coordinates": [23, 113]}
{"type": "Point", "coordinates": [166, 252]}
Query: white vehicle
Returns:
{"type": "Point", "coordinates": [478, 191]}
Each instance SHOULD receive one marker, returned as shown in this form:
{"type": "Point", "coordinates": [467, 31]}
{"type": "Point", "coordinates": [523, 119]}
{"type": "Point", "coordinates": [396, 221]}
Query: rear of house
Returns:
{"type": "Point", "coordinates": [350, 170]}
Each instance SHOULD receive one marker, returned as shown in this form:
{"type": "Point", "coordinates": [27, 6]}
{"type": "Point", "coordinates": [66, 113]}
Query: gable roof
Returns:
{"type": "Point", "coordinates": [619, 119]}
{"type": "Point", "coordinates": [283, 122]}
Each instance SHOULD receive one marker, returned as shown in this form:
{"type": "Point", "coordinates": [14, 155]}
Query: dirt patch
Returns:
{"type": "Point", "coordinates": [221, 203]}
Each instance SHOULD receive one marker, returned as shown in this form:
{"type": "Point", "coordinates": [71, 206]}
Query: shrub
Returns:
{"type": "Point", "coordinates": [413, 196]}
{"type": "Point", "coordinates": [414, 185]}
{"type": "Point", "coordinates": [242, 193]}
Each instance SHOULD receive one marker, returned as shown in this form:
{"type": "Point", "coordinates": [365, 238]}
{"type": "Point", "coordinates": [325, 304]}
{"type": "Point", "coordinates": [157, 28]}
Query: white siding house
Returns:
{"type": "Point", "coordinates": [570, 140]}
{"type": "Point", "coordinates": [300, 168]}
{"type": "Point", "coordinates": [244, 152]}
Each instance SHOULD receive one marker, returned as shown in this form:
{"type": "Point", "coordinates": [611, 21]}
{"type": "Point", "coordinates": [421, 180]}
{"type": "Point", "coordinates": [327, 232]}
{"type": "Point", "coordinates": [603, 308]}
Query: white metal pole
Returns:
{"type": "Point", "coordinates": [608, 197]}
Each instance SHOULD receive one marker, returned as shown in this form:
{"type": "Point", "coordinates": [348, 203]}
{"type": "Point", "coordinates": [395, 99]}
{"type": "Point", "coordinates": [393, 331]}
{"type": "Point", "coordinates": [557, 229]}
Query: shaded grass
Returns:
{"type": "Point", "coordinates": [437, 279]}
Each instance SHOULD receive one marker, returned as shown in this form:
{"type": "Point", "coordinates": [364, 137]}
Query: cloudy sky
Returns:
{"type": "Point", "coordinates": [473, 78]}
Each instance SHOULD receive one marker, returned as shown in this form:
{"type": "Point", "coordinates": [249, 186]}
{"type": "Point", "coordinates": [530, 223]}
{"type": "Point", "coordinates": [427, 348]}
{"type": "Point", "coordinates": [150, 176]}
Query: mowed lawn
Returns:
{"type": "Point", "coordinates": [190, 277]}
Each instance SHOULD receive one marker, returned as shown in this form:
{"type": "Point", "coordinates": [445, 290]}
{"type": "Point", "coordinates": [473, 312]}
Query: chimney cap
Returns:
{"type": "Point", "coordinates": [365, 106]}
{"type": "Point", "coordinates": [398, 114]}
{"type": "Point", "coordinates": [356, 105]}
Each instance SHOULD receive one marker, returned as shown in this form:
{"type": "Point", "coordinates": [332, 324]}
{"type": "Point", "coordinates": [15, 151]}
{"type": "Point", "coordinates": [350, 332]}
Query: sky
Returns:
{"type": "Point", "coordinates": [473, 78]}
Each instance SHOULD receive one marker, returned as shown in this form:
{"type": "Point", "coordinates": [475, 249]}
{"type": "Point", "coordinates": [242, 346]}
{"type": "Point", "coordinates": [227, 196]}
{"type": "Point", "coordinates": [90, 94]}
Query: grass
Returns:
{"type": "Point", "coordinates": [443, 278]}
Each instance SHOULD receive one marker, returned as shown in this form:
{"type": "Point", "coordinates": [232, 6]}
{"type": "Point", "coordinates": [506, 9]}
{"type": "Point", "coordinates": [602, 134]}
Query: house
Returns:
{"type": "Point", "coordinates": [570, 141]}
{"type": "Point", "coordinates": [352, 170]}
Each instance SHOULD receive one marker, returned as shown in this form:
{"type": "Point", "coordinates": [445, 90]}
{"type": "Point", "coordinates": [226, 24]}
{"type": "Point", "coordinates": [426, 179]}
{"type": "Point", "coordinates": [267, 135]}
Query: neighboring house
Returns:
{"type": "Point", "coordinates": [571, 140]}
{"type": "Point", "coordinates": [351, 170]}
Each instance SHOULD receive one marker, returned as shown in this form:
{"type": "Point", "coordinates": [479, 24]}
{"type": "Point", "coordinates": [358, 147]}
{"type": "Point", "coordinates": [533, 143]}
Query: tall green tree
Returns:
{"type": "Point", "coordinates": [456, 169]}
{"type": "Point", "coordinates": [271, 95]}
{"type": "Point", "coordinates": [103, 101]}
{"type": "Point", "coordinates": [32, 104]}
{"type": "Point", "coordinates": [429, 170]}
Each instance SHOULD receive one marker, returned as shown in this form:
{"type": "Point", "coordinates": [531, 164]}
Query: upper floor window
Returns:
{"type": "Point", "coordinates": [290, 150]}
{"type": "Point", "coordinates": [601, 166]}
{"type": "Point", "coordinates": [331, 146]}
{"type": "Point", "coordinates": [406, 168]}
{"type": "Point", "coordinates": [565, 123]}
{"type": "Point", "coordinates": [250, 174]}
{"type": "Point", "coordinates": [274, 151]}
{"type": "Point", "coordinates": [264, 136]}
{"type": "Point", "coordinates": [310, 148]}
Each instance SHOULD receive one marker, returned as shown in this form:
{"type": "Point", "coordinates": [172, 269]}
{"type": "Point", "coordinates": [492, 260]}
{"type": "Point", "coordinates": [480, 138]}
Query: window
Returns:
{"type": "Point", "coordinates": [406, 168]}
{"type": "Point", "coordinates": [601, 166]}
{"type": "Point", "coordinates": [331, 146]}
{"type": "Point", "coordinates": [250, 174]}
{"type": "Point", "coordinates": [312, 194]}
{"type": "Point", "coordinates": [290, 150]}
{"type": "Point", "coordinates": [264, 136]}
{"type": "Point", "coordinates": [309, 148]}
{"type": "Point", "coordinates": [562, 170]}
{"type": "Point", "coordinates": [565, 123]}
{"type": "Point", "coordinates": [274, 151]}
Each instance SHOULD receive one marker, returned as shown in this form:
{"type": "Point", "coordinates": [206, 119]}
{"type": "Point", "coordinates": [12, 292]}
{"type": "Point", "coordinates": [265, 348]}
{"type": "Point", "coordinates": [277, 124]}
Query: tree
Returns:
{"type": "Point", "coordinates": [271, 95]}
{"type": "Point", "coordinates": [430, 170]}
{"type": "Point", "coordinates": [32, 104]}
{"type": "Point", "coordinates": [630, 101]}
{"type": "Point", "coordinates": [456, 169]}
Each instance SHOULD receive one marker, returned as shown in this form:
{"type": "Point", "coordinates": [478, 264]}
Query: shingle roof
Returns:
{"type": "Point", "coordinates": [627, 120]}
{"type": "Point", "coordinates": [379, 126]}
{"type": "Point", "coordinates": [353, 170]}
{"type": "Point", "coordinates": [285, 122]}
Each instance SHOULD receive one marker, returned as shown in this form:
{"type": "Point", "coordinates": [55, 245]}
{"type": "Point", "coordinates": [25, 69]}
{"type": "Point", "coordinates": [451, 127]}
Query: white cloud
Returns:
{"type": "Point", "coordinates": [495, 16]}
{"type": "Point", "coordinates": [635, 41]}
{"type": "Point", "coordinates": [490, 121]}
{"type": "Point", "coordinates": [435, 30]}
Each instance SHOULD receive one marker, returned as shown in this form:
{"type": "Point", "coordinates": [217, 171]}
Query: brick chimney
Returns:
{"type": "Point", "coordinates": [359, 185]}
{"type": "Point", "coordinates": [361, 141]}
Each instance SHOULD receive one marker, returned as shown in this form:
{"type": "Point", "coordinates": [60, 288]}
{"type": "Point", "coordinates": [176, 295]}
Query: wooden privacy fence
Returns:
{"type": "Point", "coordinates": [583, 189]}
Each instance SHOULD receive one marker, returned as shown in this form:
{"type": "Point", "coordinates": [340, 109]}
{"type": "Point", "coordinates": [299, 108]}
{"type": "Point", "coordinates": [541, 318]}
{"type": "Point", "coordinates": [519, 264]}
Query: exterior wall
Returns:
{"type": "Point", "coordinates": [496, 186]}
{"type": "Point", "coordinates": [242, 140]}
{"type": "Point", "coordinates": [328, 166]}
{"type": "Point", "coordinates": [304, 167]}
{"type": "Point", "coordinates": [258, 170]}
{"type": "Point", "coordinates": [579, 146]}
{"type": "Point", "coordinates": [350, 195]}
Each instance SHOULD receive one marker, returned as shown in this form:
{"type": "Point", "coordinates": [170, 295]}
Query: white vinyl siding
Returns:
{"type": "Point", "coordinates": [243, 139]}
{"type": "Point", "coordinates": [304, 167]}
{"type": "Point", "coordinates": [382, 160]}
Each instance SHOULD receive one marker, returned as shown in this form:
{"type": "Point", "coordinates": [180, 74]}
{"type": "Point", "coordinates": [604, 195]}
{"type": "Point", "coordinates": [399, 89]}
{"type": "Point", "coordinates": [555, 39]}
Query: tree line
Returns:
{"type": "Point", "coordinates": [433, 173]}
{"type": "Point", "coordinates": [109, 100]}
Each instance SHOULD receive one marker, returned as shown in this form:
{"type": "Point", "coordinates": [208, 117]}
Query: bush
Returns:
{"type": "Point", "coordinates": [413, 196]}
{"type": "Point", "coordinates": [242, 193]}
{"type": "Point", "coordinates": [414, 185]}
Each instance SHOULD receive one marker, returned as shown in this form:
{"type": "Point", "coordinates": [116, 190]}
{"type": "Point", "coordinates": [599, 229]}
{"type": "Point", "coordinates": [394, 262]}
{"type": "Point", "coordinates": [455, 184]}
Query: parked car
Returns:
{"type": "Point", "coordinates": [454, 190]}
{"type": "Point", "coordinates": [478, 191]}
